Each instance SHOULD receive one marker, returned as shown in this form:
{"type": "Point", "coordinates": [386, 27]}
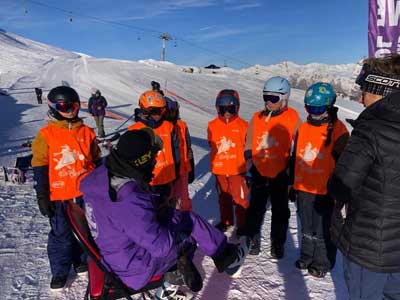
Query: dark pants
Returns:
{"type": "Point", "coordinates": [62, 248]}
{"type": "Point", "coordinates": [315, 213]}
{"type": "Point", "coordinates": [261, 189]}
{"type": "Point", "coordinates": [363, 284]}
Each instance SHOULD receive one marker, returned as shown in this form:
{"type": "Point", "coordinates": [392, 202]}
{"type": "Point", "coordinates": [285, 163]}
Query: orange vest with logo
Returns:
{"type": "Point", "coordinates": [227, 142]}
{"type": "Point", "coordinates": [272, 141]}
{"type": "Point", "coordinates": [164, 171]}
{"type": "Point", "coordinates": [314, 160]}
{"type": "Point", "coordinates": [185, 166]}
{"type": "Point", "coordinates": [70, 159]}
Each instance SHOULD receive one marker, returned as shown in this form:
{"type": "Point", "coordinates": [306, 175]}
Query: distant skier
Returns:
{"type": "Point", "coordinates": [155, 86]}
{"type": "Point", "coordinates": [319, 142]}
{"type": "Point", "coordinates": [64, 151]}
{"type": "Point", "coordinates": [268, 144]}
{"type": "Point", "coordinates": [97, 108]}
{"type": "Point", "coordinates": [366, 187]}
{"type": "Point", "coordinates": [39, 93]}
{"type": "Point", "coordinates": [226, 137]}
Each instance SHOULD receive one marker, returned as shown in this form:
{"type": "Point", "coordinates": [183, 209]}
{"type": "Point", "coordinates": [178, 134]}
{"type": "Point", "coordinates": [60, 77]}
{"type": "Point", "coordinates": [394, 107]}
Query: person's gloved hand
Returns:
{"type": "Point", "coordinates": [46, 207]}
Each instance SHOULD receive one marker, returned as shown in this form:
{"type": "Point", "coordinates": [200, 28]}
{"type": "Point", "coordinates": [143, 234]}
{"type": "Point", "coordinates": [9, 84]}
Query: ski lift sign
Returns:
{"type": "Point", "coordinates": [384, 27]}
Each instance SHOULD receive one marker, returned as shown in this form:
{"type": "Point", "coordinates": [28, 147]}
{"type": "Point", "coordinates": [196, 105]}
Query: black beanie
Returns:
{"type": "Point", "coordinates": [134, 145]}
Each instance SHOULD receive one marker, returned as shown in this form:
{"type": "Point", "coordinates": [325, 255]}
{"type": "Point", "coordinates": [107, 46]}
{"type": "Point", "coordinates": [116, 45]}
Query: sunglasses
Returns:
{"type": "Point", "coordinates": [222, 109]}
{"type": "Point", "coordinates": [64, 106]}
{"type": "Point", "coordinates": [315, 110]}
{"type": "Point", "coordinates": [154, 111]}
{"type": "Point", "coordinates": [273, 98]}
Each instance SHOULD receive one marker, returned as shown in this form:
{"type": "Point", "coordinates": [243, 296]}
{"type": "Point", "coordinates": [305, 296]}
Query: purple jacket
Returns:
{"type": "Point", "coordinates": [131, 240]}
{"type": "Point", "coordinates": [97, 105]}
{"type": "Point", "coordinates": [133, 244]}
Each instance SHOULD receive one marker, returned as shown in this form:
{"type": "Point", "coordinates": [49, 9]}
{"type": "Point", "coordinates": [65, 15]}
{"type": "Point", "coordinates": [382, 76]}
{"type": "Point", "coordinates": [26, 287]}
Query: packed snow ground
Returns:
{"type": "Point", "coordinates": [24, 269]}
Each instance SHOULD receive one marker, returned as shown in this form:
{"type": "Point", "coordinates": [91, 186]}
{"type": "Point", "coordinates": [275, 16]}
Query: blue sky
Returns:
{"type": "Point", "coordinates": [235, 32]}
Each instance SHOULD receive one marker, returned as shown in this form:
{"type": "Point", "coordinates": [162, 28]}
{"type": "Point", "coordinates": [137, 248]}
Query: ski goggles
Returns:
{"type": "Point", "coordinates": [222, 109]}
{"type": "Point", "coordinates": [154, 111]}
{"type": "Point", "coordinates": [64, 106]}
{"type": "Point", "coordinates": [273, 97]}
{"type": "Point", "coordinates": [316, 110]}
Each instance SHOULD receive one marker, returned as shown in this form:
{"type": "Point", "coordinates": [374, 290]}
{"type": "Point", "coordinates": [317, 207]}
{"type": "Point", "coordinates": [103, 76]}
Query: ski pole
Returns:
{"type": "Point", "coordinates": [130, 117]}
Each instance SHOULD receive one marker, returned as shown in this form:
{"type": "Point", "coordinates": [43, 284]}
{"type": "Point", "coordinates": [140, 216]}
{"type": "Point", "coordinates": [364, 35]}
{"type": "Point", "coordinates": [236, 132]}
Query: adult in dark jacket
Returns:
{"type": "Point", "coordinates": [39, 93]}
{"type": "Point", "coordinates": [366, 187]}
{"type": "Point", "coordinates": [97, 108]}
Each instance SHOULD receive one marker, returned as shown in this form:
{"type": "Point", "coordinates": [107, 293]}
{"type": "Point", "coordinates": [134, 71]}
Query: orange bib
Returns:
{"type": "Point", "coordinates": [185, 166]}
{"type": "Point", "coordinates": [227, 142]}
{"type": "Point", "coordinates": [164, 171]}
{"type": "Point", "coordinates": [272, 141]}
{"type": "Point", "coordinates": [69, 159]}
{"type": "Point", "coordinates": [314, 160]}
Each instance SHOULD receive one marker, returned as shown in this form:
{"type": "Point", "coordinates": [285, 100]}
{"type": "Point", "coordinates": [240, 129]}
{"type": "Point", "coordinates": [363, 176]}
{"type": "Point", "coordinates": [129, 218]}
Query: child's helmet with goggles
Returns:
{"type": "Point", "coordinates": [63, 100]}
{"type": "Point", "coordinates": [152, 100]}
{"type": "Point", "coordinates": [319, 97]}
{"type": "Point", "coordinates": [276, 89]}
{"type": "Point", "coordinates": [227, 101]}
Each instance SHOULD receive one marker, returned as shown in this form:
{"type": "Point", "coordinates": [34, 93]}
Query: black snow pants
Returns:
{"type": "Point", "coordinates": [262, 189]}
{"type": "Point", "coordinates": [317, 249]}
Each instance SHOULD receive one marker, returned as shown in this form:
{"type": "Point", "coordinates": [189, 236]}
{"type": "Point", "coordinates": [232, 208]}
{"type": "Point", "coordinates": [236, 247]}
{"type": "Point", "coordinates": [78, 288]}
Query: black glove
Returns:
{"type": "Point", "coordinates": [46, 207]}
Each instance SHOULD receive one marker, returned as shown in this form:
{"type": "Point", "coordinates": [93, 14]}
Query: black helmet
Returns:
{"type": "Point", "coordinates": [63, 99]}
{"type": "Point", "coordinates": [63, 93]}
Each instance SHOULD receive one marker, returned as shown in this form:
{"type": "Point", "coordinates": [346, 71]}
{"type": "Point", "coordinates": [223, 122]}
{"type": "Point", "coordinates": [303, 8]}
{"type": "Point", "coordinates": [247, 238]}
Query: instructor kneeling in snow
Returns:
{"type": "Point", "coordinates": [138, 239]}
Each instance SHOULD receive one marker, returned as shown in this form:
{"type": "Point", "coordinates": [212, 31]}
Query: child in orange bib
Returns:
{"type": "Point", "coordinates": [227, 136]}
{"type": "Point", "coordinates": [64, 152]}
{"type": "Point", "coordinates": [319, 143]}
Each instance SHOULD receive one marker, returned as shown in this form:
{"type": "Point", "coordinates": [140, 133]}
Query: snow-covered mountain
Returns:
{"type": "Point", "coordinates": [302, 76]}
{"type": "Point", "coordinates": [25, 64]}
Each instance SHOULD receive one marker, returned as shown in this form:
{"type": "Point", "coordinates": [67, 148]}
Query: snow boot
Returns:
{"type": "Point", "coordinates": [81, 268]}
{"type": "Point", "coordinates": [301, 265]}
{"type": "Point", "coordinates": [255, 245]}
{"type": "Point", "coordinates": [277, 251]}
{"type": "Point", "coordinates": [58, 282]}
{"type": "Point", "coordinates": [316, 272]}
{"type": "Point", "coordinates": [191, 276]}
{"type": "Point", "coordinates": [221, 226]}
{"type": "Point", "coordinates": [169, 291]}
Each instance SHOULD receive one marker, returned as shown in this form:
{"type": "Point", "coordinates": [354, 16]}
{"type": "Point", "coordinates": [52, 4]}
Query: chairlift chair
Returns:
{"type": "Point", "coordinates": [103, 284]}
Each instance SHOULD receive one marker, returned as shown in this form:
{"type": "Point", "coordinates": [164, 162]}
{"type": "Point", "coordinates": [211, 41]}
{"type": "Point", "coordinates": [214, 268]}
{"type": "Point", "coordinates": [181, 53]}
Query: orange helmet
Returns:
{"type": "Point", "coordinates": [151, 99]}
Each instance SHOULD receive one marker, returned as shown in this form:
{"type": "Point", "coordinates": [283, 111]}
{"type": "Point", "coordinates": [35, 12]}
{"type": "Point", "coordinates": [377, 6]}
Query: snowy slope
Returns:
{"type": "Point", "coordinates": [20, 56]}
{"type": "Point", "coordinates": [24, 271]}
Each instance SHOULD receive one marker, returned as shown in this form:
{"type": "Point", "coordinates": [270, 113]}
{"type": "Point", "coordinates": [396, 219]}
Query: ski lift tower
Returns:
{"type": "Point", "coordinates": [165, 37]}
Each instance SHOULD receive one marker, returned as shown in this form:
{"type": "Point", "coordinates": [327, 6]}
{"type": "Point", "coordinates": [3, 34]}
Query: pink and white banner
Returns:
{"type": "Point", "coordinates": [383, 27]}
